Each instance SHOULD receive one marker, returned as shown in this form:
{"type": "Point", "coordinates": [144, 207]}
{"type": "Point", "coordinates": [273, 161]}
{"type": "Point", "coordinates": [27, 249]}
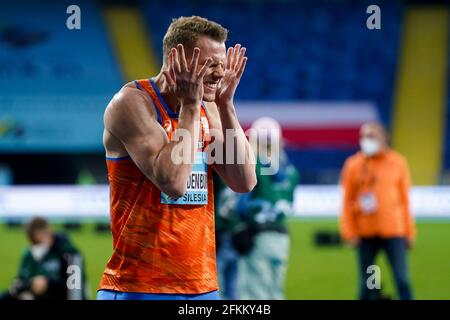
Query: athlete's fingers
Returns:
{"type": "Point", "coordinates": [203, 70]}
{"type": "Point", "coordinates": [172, 67]}
{"type": "Point", "coordinates": [236, 50]}
{"type": "Point", "coordinates": [169, 59]}
{"type": "Point", "coordinates": [194, 61]}
{"type": "Point", "coordinates": [182, 56]}
{"type": "Point", "coordinates": [240, 58]}
{"type": "Point", "coordinates": [172, 60]}
{"type": "Point", "coordinates": [176, 61]}
{"type": "Point", "coordinates": [172, 63]}
{"type": "Point", "coordinates": [169, 78]}
{"type": "Point", "coordinates": [241, 68]}
{"type": "Point", "coordinates": [229, 57]}
{"type": "Point", "coordinates": [168, 71]}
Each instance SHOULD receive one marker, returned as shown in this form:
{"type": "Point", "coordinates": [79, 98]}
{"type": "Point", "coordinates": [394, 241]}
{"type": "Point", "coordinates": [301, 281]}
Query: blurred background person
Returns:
{"type": "Point", "coordinates": [226, 222]}
{"type": "Point", "coordinates": [43, 272]}
{"type": "Point", "coordinates": [264, 243]}
{"type": "Point", "coordinates": [376, 215]}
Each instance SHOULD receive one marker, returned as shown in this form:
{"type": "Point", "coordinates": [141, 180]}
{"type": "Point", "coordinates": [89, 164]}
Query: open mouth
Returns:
{"type": "Point", "coordinates": [211, 85]}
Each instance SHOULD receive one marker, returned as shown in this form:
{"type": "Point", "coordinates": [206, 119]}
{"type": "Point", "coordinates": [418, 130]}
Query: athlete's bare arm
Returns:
{"type": "Point", "coordinates": [131, 126]}
{"type": "Point", "coordinates": [239, 176]}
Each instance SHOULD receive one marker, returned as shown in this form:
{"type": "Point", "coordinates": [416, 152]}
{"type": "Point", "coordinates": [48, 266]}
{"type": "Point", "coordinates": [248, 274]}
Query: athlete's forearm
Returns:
{"type": "Point", "coordinates": [239, 173]}
{"type": "Point", "coordinates": [176, 158]}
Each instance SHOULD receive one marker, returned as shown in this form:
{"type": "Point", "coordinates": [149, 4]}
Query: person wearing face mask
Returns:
{"type": "Point", "coordinates": [46, 265]}
{"type": "Point", "coordinates": [375, 213]}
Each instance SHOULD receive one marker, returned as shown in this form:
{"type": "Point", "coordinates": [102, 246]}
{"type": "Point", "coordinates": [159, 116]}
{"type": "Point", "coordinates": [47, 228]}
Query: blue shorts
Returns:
{"type": "Point", "coordinates": [117, 295]}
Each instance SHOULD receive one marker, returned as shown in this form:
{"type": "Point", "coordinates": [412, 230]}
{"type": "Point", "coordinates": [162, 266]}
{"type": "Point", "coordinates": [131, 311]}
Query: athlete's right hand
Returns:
{"type": "Point", "coordinates": [183, 79]}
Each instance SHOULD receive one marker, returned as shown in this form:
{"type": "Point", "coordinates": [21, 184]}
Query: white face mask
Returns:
{"type": "Point", "coordinates": [370, 146]}
{"type": "Point", "coordinates": [38, 251]}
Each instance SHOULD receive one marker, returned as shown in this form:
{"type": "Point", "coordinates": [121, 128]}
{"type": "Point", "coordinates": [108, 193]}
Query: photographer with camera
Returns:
{"type": "Point", "coordinates": [43, 272]}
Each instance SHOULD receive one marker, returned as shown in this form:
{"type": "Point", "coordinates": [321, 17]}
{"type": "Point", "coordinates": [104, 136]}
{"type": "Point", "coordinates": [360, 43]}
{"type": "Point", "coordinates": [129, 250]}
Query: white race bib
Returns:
{"type": "Point", "coordinates": [197, 184]}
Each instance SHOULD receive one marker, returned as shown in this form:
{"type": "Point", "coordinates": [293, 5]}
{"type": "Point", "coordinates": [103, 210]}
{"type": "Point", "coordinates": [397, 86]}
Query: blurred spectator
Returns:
{"type": "Point", "coordinates": [43, 272]}
{"type": "Point", "coordinates": [227, 257]}
{"type": "Point", "coordinates": [264, 242]}
{"type": "Point", "coordinates": [86, 178]}
{"type": "Point", "coordinates": [376, 214]}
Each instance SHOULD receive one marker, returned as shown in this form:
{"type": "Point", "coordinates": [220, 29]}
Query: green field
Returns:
{"type": "Point", "coordinates": [314, 272]}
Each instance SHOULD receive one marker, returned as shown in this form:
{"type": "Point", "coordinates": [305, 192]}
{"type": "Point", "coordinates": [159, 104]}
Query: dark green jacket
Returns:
{"type": "Point", "coordinates": [55, 266]}
{"type": "Point", "coordinates": [271, 199]}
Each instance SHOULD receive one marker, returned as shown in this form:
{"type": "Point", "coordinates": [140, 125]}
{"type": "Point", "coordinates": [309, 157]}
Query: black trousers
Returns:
{"type": "Point", "coordinates": [396, 250]}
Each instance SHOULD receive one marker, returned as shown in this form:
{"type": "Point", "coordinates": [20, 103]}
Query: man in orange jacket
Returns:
{"type": "Point", "coordinates": [375, 213]}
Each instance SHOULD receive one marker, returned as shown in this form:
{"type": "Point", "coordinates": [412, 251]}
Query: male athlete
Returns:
{"type": "Point", "coordinates": [162, 209]}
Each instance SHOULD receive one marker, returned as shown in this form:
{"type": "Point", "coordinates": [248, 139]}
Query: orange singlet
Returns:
{"type": "Point", "coordinates": [161, 245]}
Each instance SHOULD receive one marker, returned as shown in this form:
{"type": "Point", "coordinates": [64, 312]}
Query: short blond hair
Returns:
{"type": "Point", "coordinates": [187, 30]}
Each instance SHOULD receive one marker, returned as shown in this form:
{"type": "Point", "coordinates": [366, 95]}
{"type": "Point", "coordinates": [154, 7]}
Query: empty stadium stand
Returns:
{"type": "Point", "coordinates": [305, 51]}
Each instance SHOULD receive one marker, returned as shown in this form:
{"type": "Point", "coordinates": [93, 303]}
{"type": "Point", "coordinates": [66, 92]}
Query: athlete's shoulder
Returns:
{"type": "Point", "coordinates": [127, 96]}
{"type": "Point", "coordinates": [129, 101]}
{"type": "Point", "coordinates": [129, 111]}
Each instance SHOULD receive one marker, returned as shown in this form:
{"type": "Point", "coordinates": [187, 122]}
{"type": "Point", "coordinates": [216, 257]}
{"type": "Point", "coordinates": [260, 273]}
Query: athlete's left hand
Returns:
{"type": "Point", "coordinates": [234, 69]}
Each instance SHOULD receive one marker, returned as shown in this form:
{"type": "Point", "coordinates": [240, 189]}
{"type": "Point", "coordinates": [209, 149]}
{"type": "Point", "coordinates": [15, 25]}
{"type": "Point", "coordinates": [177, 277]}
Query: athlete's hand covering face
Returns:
{"type": "Point", "coordinates": [234, 69]}
{"type": "Point", "coordinates": [183, 79]}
